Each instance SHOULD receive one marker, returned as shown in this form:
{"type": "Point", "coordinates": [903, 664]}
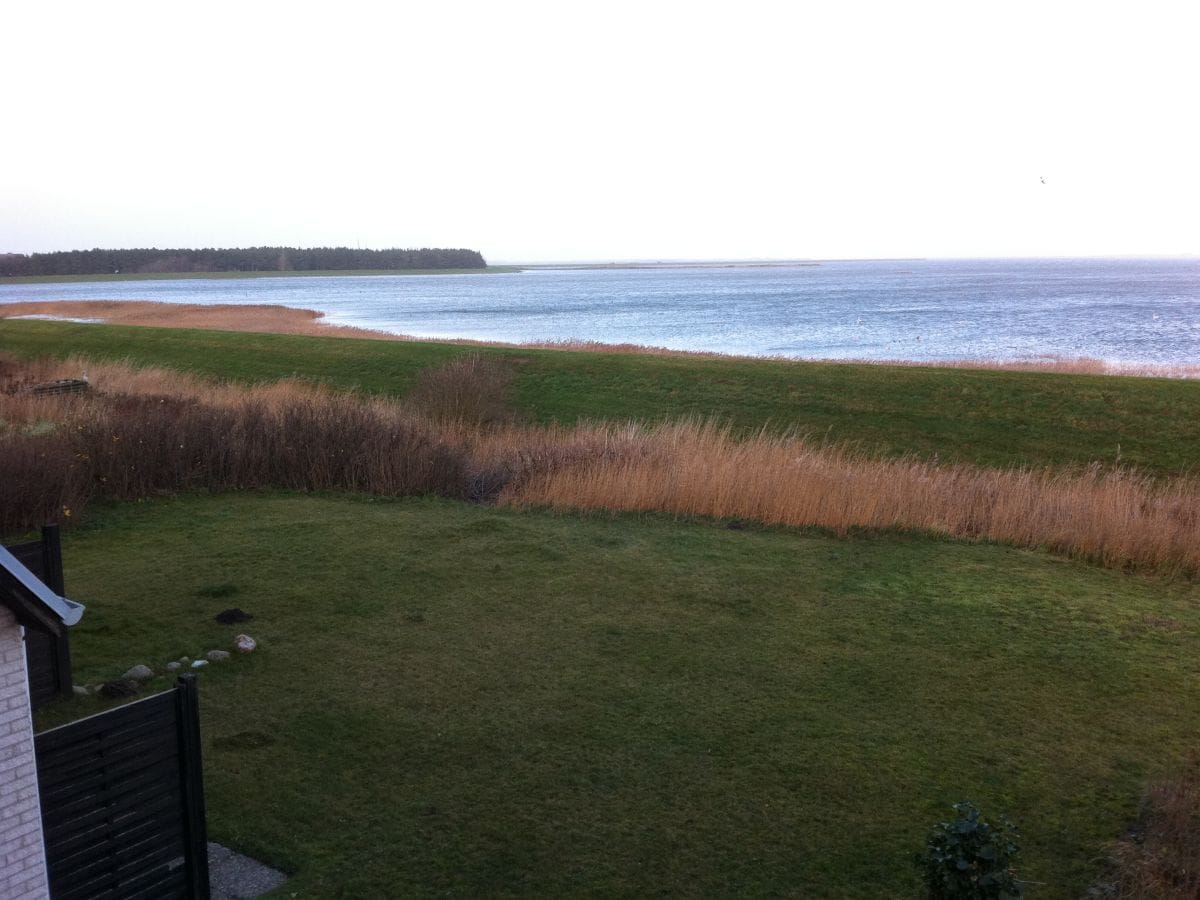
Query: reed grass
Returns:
{"type": "Point", "coordinates": [467, 390]}
{"type": "Point", "coordinates": [260, 318]}
{"type": "Point", "coordinates": [1117, 517]}
{"type": "Point", "coordinates": [156, 432]}
{"type": "Point", "coordinates": [147, 431]}
{"type": "Point", "coordinates": [1159, 859]}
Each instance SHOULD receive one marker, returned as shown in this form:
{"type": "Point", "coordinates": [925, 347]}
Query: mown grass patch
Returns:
{"type": "Point", "coordinates": [458, 699]}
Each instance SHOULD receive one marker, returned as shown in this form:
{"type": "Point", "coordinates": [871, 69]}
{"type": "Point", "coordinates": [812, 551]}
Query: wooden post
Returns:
{"type": "Point", "coordinates": [52, 568]}
{"type": "Point", "coordinates": [52, 559]}
{"type": "Point", "coordinates": [195, 828]}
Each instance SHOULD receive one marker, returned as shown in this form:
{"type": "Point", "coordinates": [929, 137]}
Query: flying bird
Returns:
{"type": "Point", "coordinates": [1043, 179]}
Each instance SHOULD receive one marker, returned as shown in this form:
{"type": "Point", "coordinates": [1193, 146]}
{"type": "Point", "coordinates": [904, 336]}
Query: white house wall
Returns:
{"type": "Point", "coordinates": [22, 856]}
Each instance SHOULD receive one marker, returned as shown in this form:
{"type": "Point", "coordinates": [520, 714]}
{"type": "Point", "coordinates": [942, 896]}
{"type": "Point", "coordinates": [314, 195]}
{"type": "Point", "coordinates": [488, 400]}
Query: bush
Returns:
{"type": "Point", "coordinates": [129, 447]}
{"type": "Point", "coordinates": [468, 390]}
{"type": "Point", "coordinates": [1160, 855]}
{"type": "Point", "coordinates": [971, 858]}
{"type": "Point", "coordinates": [40, 481]}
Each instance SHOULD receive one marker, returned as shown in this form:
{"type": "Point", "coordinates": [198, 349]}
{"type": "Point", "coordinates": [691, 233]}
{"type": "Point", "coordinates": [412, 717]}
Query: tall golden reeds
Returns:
{"type": "Point", "coordinates": [148, 431]}
{"type": "Point", "coordinates": [1113, 516]}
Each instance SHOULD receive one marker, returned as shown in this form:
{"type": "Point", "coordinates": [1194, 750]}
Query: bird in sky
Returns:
{"type": "Point", "coordinates": [1043, 179]}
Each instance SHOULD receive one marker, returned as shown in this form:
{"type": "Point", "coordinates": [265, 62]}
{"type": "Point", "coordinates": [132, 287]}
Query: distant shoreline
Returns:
{"type": "Point", "coordinates": [489, 270]}
{"type": "Point", "coordinates": [707, 263]}
{"type": "Point", "coordinates": [279, 319]}
{"type": "Point", "coordinates": [322, 273]}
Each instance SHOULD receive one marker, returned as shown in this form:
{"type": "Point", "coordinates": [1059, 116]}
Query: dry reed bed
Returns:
{"type": "Point", "coordinates": [1160, 856]}
{"type": "Point", "coordinates": [153, 431]}
{"type": "Point", "coordinates": [149, 432]}
{"type": "Point", "coordinates": [1116, 517]}
{"type": "Point", "coordinates": [261, 318]}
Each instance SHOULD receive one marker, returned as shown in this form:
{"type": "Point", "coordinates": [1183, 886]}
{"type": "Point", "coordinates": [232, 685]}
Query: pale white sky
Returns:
{"type": "Point", "coordinates": [553, 131]}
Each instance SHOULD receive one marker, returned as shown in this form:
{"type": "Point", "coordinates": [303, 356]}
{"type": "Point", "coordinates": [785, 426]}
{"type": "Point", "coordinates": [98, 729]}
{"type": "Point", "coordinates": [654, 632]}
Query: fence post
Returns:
{"type": "Point", "coordinates": [52, 559]}
{"type": "Point", "coordinates": [195, 828]}
{"type": "Point", "coordinates": [52, 569]}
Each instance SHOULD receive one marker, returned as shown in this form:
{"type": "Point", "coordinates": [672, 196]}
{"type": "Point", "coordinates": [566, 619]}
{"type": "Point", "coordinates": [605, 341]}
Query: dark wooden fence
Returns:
{"type": "Point", "coordinates": [47, 658]}
{"type": "Point", "coordinates": [123, 801]}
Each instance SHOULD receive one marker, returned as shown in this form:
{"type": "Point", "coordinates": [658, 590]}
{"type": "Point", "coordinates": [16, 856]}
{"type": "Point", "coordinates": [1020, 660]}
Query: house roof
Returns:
{"type": "Point", "coordinates": [30, 599]}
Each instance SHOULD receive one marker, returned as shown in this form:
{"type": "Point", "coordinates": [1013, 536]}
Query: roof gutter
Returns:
{"type": "Point", "coordinates": [67, 611]}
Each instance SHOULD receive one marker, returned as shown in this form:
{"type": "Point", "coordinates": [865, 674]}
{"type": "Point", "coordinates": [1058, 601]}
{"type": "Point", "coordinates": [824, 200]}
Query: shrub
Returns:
{"type": "Point", "coordinates": [971, 858]}
{"type": "Point", "coordinates": [467, 390]}
{"type": "Point", "coordinates": [40, 481]}
{"type": "Point", "coordinates": [128, 447]}
{"type": "Point", "coordinates": [1160, 856]}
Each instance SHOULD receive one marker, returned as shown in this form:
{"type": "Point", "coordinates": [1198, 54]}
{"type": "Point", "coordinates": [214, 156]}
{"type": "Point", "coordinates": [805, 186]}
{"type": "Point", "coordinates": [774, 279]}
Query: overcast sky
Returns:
{"type": "Point", "coordinates": [612, 130]}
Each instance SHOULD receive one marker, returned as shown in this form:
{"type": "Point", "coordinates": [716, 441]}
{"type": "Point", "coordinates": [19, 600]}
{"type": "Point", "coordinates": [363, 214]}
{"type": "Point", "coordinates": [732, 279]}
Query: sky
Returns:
{"type": "Point", "coordinates": [605, 131]}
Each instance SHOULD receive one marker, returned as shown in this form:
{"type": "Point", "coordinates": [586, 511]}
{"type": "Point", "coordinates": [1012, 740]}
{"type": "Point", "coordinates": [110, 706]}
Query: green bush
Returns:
{"type": "Point", "coordinates": [971, 858]}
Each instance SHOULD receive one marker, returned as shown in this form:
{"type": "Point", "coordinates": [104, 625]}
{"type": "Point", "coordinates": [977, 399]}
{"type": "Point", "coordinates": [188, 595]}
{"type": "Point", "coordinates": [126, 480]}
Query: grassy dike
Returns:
{"type": "Point", "coordinates": [986, 417]}
{"type": "Point", "coordinates": [469, 701]}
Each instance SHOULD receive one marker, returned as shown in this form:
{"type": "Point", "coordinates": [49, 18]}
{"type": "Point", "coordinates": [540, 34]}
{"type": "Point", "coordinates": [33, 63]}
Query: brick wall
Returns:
{"type": "Point", "coordinates": [22, 857]}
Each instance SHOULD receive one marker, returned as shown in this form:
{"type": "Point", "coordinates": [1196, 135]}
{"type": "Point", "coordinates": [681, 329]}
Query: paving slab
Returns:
{"type": "Point", "coordinates": [235, 877]}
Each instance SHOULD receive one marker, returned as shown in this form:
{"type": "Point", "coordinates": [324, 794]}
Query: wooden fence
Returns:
{"type": "Point", "coordinates": [47, 658]}
{"type": "Point", "coordinates": [123, 801]}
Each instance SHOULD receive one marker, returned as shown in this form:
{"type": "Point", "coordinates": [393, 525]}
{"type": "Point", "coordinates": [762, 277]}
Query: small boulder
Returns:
{"type": "Point", "coordinates": [80, 690]}
{"type": "Point", "coordinates": [139, 673]}
{"type": "Point", "coordinates": [174, 666]}
{"type": "Point", "coordinates": [196, 664]}
{"type": "Point", "coordinates": [185, 660]}
{"type": "Point", "coordinates": [217, 655]}
{"type": "Point", "coordinates": [245, 643]}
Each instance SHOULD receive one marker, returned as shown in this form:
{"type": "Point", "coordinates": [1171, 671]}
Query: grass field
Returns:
{"type": "Point", "coordinates": [957, 415]}
{"type": "Point", "coordinates": [460, 700]}
{"type": "Point", "coordinates": [168, 276]}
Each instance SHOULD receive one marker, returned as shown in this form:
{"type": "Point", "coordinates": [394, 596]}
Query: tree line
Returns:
{"type": "Point", "coordinates": [246, 259]}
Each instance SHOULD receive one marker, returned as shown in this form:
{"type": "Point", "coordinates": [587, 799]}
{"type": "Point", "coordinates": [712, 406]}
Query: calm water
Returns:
{"type": "Point", "coordinates": [1136, 311]}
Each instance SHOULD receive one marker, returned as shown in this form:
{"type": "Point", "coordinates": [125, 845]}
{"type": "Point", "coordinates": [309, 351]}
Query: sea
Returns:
{"type": "Point", "coordinates": [1126, 311]}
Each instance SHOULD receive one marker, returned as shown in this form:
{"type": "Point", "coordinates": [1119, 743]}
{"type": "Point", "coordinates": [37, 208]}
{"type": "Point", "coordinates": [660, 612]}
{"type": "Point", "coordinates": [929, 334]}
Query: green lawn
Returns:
{"type": "Point", "coordinates": [462, 700]}
{"type": "Point", "coordinates": [986, 417]}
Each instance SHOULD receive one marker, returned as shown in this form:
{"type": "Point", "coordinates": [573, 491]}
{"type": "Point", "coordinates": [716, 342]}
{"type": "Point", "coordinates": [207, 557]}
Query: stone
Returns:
{"type": "Point", "coordinates": [217, 655]}
{"type": "Point", "coordinates": [196, 664]}
{"type": "Point", "coordinates": [245, 643]}
{"type": "Point", "coordinates": [185, 660]}
{"type": "Point", "coordinates": [139, 673]}
{"type": "Point", "coordinates": [174, 666]}
{"type": "Point", "coordinates": [80, 690]}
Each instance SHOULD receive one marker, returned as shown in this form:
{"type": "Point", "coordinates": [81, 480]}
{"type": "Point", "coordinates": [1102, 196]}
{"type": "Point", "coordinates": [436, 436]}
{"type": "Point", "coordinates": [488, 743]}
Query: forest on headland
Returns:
{"type": "Point", "coordinates": [246, 259]}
